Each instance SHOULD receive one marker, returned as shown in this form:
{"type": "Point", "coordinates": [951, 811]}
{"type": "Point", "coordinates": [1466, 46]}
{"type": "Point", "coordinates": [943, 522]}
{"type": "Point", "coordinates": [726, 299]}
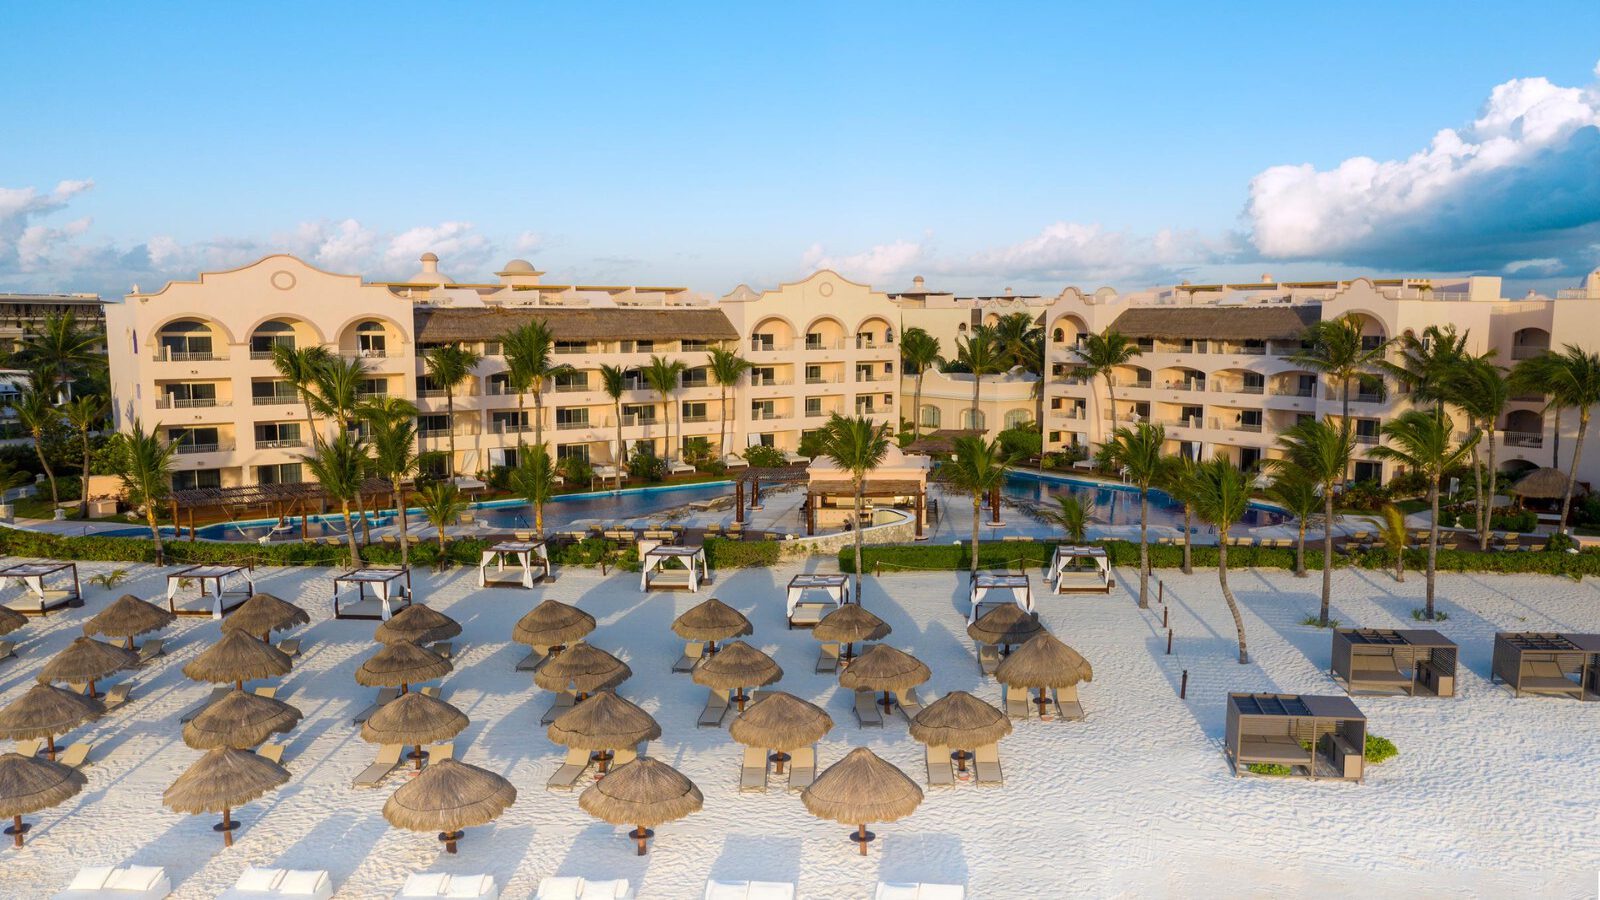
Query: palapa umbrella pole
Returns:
{"type": "Point", "coordinates": [1043, 702]}
{"type": "Point", "coordinates": [642, 836]}
{"type": "Point", "coordinates": [92, 694]}
{"type": "Point", "coordinates": [602, 758]}
{"type": "Point", "coordinates": [226, 826]}
{"type": "Point", "coordinates": [418, 755]}
{"type": "Point", "coordinates": [16, 830]}
{"type": "Point", "coordinates": [51, 743]}
{"type": "Point", "coordinates": [887, 703]}
{"type": "Point", "coordinates": [740, 698]}
{"type": "Point", "coordinates": [449, 838]}
{"type": "Point", "coordinates": [862, 837]}
{"type": "Point", "coordinates": [778, 758]}
{"type": "Point", "coordinates": [961, 757]}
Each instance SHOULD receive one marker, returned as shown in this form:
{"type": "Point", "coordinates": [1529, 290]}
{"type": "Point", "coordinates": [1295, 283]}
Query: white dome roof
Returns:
{"type": "Point", "coordinates": [518, 267]}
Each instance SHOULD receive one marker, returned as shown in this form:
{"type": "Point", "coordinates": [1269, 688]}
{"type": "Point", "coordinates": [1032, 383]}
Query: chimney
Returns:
{"type": "Point", "coordinates": [430, 263]}
{"type": "Point", "coordinates": [917, 285]}
{"type": "Point", "coordinates": [1266, 278]}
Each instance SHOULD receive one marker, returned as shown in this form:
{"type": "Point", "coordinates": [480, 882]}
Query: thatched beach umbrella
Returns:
{"type": "Point", "coordinates": [884, 668]}
{"type": "Point", "coordinates": [552, 624]}
{"type": "Point", "coordinates": [1043, 662]}
{"type": "Point", "coordinates": [44, 711]}
{"type": "Point", "coordinates": [401, 664]}
{"type": "Point", "coordinates": [850, 624]}
{"type": "Point", "coordinates": [860, 789]}
{"type": "Point", "coordinates": [240, 720]}
{"type": "Point", "coordinates": [711, 621]}
{"type": "Point", "coordinates": [641, 793]}
{"type": "Point", "coordinates": [1541, 484]}
{"type": "Point", "coordinates": [11, 620]}
{"type": "Point", "coordinates": [238, 657]}
{"type": "Point", "coordinates": [583, 669]}
{"type": "Point", "coordinates": [737, 667]}
{"type": "Point", "coordinates": [126, 618]}
{"type": "Point", "coordinates": [449, 796]}
{"type": "Point", "coordinates": [605, 723]}
{"type": "Point", "coordinates": [1005, 625]}
{"type": "Point", "coordinates": [29, 784]}
{"type": "Point", "coordinates": [414, 719]}
{"type": "Point", "coordinates": [87, 660]}
{"type": "Point", "coordinates": [221, 780]}
{"type": "Point", "coordinates": [959, 720]}
{"type": "Point", "coordinates": [418, 624]}
{"type": "Point", "coordinates": [781, 721]}
{"type": "Point", "coordinates": [263, 614]}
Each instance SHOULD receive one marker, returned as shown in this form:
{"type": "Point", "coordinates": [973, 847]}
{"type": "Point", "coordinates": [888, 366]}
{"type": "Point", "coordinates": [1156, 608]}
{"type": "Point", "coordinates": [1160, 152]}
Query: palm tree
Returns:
{"type": "Point", "coordinates": [1422, 442]}
{"type": "Point", "coordinates": [37, 414]}
{"type": "Point", "coordinates": [1301, 497]}
{"type": "Point", "coordinates": [1177, 479]}
{"type": "Point", "coordinates": [614, 380]}
{"type": "Point", "coordinates": [1137, 452]}
{"type": "Point", "coordinates": [919, 351]}
{"type": "Point", "coordinates": [392, 424]}
{"type": "Point", "coordinates": [62, 348]}
{"type": "Point", "coordinates": [340, 467]}
{"type": "Point", "coordinates": [857, 446]}
{"type": "Point", "coordinates": [299, 367]}
{"type": "Point", "coordinates": [441, 504]}
{"type": "Point", "coordinates": [534, 481]}
{"type": "Point", "coordinates": [1481, 389]}
{"type": "Point", "coordinates": [1571, 378]}
{"type": "Point", "coordinates": [1337, 351]}
{"type": "Point", "coordinates": [85, 413]}
{"type": "Point", "coordinates": [978, 467]}
{"type": "Point", "coordinates": [979, 354]}
{"type": "Point", "coordinates": [336, 396]}
{"type": "Point", "coordinates": [1393, 534]}
{"type": "Point", "coordinates": [1320, 453]}
{"type": "Point", "coordinates": [450, 366]}
{"type": "Point", "coordinates": [1533, 376]}
{"type": "Point", "coordinates": [530, 365]}
{"type": "Point", "coordinates": [663, 376]}
{"type": "Point", "coordinates": [1074, 514]}
{"type": "Point", "coordinates": [1101, 354]}
{"type": "Point", "coordinates": [1221, 496]}
{"type": "Point", "coordinates": [726, 366]}
{"type": "Point", "coordinates": [1015, 335]}
{"type": "Point", "coordinates": [1426, 364]}
{"type": "Point", "coordinates": [146, 474]}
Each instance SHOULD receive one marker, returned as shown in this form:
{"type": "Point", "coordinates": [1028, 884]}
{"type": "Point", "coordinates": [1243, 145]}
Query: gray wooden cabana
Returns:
{"type": "Point", "coordinates": [1315, 736]}
{"type": "Point", "coordinates": [1533, 662]}
{"type": "Point", "coordinates": [39, 594]}
{"type": "Point", "coordinates": [1388, 660]}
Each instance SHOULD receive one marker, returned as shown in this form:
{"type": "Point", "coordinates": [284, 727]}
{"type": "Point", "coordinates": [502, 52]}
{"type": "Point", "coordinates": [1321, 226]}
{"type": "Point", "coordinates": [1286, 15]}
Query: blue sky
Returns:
{"type": "Point", "coordinates": [982, 146]}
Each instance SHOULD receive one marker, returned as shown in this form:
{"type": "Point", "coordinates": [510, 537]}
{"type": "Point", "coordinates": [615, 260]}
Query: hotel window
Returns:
{"type": "Point", "coordinates": [695, 346]}
{"type": "Point", "coordinates": [492, 348]}
{"type": "Point", "coordinates": [760, 341]}
{"type": "Point", "coordinates": [572, 346]}
{"type": "Point", "coordinates": [814, 375]}
{"type": "Point", "coordinates": [763, 409]}
{"type": "Point", "coordinates": [697, 377]}
{"type": "Point", "coordinates": [638, 414]}
{"type": "Point", "coordinates": [185, 340]}
{"type": "Point", "coordinates": [763, 375]}
{"type": "Point", "coordinates": [182, 396]}
{"type": "Point", "coordinates": [437, 423]}
{"type": "Point", "coordinates": [282, 473]}
{"type": "Point", "coordinates": [813, 407]}
{"type": "Point", "coordinates": [371, 340]}
{"type": "Point", "coordinates": [511, 422]}
{"type": "Point", "coordinates": [572, 451]}
{"type": "Point", "coordinates": [572, 417]}
{"type": "Point", "coordinates": [194, 440]}
{"type": "Point", "coordinates": [973, 419]}
{"type": "Point", "coordinates": [497, 385]}
{"type": "Point", "coordinates": [814, 340]}
{"type": "Point", "coordinates": [269, 335]}
{"type": "Point", "coordinates": [1367, 470]}
{"type": "Point", "coordinates": [930, 416]}
{"type": "Point", "coordinates": [693, 412]}
{"type": "Point", "coordinates": [277, 434]}
{"type": "Point", "coordinates": [572, 381]}
{"type": "Point", "coordinates": [1018, 418]}
{"type": "Point", "coordinates": [372, 387]}
{"type": "Point", "coordinates": [197, 479]}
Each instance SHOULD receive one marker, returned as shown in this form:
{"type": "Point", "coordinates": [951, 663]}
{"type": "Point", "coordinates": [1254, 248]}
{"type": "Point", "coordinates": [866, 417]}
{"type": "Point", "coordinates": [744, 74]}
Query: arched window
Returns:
{"type": "Point", "coordinates": [372, 340]}
{"type": "Point", "coordinates": [973, 419]}
{"type": "Point", "coordinates": [1060, 335]}
{"type": "Point", "coordinates": [268, 335]}
{"type": "Point", "coordinates": [186, 339]}
{"type": "Point", "coordinates": [929, 417]}
{"type": "Point", "coordinates": [1017, 418]}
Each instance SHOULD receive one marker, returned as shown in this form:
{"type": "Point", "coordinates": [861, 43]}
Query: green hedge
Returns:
{"type": "Point", "coordinates": [722, 553]}
{"type": "Point", "coordinates": [18, 542]}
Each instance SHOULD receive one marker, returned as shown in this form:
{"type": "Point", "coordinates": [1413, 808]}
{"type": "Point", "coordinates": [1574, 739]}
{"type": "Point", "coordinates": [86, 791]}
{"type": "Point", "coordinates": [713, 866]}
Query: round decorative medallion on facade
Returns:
{"type": "Point", "coordinates": [283, 280]}
{"type": "Point", "coordinates": [825, 289]}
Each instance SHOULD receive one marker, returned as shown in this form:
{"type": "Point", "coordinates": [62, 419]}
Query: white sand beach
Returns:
{"type": "Point", "coordinates": [1490, 796]}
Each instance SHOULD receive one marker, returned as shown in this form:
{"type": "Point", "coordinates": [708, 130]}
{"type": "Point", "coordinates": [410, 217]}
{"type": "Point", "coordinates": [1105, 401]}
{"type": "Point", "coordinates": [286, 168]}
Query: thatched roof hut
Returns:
{"type": "Point", "coordinates": [11, 620]}
{"type": "Point", "coordinates": [263, 614]}
{"type": "Point", "coordinates": [551, 624]}
{"type": "Point", "coordinates": [1007, 623]}
{"type": "Point", "coordinates": [239, 720]}
{"type": "Point", "coordinates": [583, 668]}
{"type": "Point", "coordinates": [781, 721]}
{"type": "Point", "coordinates": [44, 711]}
{"type": "Point", "coordinates": [1542, 484]}
{"type": "Point", "coordinates": [401, 664]}
{"type": "Point", "coordinates": [128, 617]}
{"type": "Point", "coordinates": [859, 789]}
{"type": "Point", "coordinates": [238, 657]}
{"type": "Point", "coordinates": [713, 621]}
{"type": "Point", "coordinates": [604, 721]}
{"type": "Point", "coordinates": [221, 780]}
{"type": "Point", "coordinates": [643, 793]}
{"type": "Point", "coordinates": [884, 668]}
{"type": "Point", "coordinates": [418, 624]}
{"type": "Point", "coordinates": [448, 796]}
{"type": "Point", "coordinates": [29, 784]}
{"type": "Point", "coordinates": [86, 660]}
{"type": "Point", "coordinates": [735, 667]}
{"type": "Point", "coordinates": [414, 718]}
{"type": "Point", "coordinates": [1044, 662]}
{"type": "Point", "coordinates": [959, 719]}
{"type": "Point", "coordinates": [851, 623]}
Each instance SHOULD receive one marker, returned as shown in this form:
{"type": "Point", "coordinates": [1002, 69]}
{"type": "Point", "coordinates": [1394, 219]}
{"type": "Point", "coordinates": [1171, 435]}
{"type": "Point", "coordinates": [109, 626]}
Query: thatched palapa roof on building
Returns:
{"type": "Point", "coordinates": [444, 326]}
{"type": "Point", "coordinates": [1542, 484]}
{"type": "Point", "coordinates": [1234, 323]}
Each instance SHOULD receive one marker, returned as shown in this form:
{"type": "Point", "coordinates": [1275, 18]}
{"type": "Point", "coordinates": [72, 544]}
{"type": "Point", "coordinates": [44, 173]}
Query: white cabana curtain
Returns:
{"type": "Point", "coordinates": [837, 590]}
{"type": "Point", "coordinates": [693, 558]}
{"type": "Point", "coordinates": [1021, 592]}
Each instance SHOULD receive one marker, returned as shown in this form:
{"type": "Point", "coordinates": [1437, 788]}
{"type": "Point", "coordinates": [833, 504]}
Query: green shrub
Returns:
{"type": "Point", "coordinates": [1560, 543]}
{"type": "Point", "coordinates": [763, 457]}
{"type": "Point", "coordinates": [1269, 769]}
{"type": "Point", "coordinates": [576, 470]}
{"type": "Point", "coordinates": [1421, 614]}
{"type": "Point", "coordinates": [645, 466]}
{"type": "Point", "coordinates": [1379, 749]}
{"type": "Point", "coordinates": [1023, 441]}
{"type": "Point", "coordinates": [1448, 518]}
{"type": "Point", "coordinates": [722, 553]}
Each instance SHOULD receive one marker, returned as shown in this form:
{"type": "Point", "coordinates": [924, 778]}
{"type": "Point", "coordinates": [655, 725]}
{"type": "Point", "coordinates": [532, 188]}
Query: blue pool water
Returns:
{"type": "Point", "coordinates": [1118, 504]}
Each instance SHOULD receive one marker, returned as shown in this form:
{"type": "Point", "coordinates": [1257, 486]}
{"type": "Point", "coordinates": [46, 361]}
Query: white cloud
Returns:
{"type": "Point", "coordinates": [875, 264]}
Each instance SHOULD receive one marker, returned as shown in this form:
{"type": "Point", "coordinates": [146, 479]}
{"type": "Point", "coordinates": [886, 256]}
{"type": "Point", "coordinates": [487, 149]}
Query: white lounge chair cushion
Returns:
{"type": "Point", "coordinates": [303, 883]}
{"type": "Point", "coordinates": [135, 878]}
{"type": "Point", "coordinates": [254, 879]}
{"type": "Point", "coordinates": [561, 888]}
{"type": "Point", "coordinates": [769, 890]}
{"type": "Point", "coordinates": [470, 886]}
{"type": "Point", "coordinates": [425, 884]}
{"type": "Point", "coordinates": [605, 890]}
{"type": "Point", "coordinates": [91, 878]}
{"type": "Point", "coordinates": [913, 891]}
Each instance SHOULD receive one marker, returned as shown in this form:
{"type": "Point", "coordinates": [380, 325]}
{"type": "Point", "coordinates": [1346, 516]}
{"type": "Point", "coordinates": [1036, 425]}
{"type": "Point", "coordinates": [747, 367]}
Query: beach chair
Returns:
{"type": "Point", "coordinates": [255, 882]}
{"type": "Point", "coordinates": [571, 770]}
{"type": "Point", "coordinates": [268, 691]}
{"type": "Point", "coordinates": [535, 660]}
{"type": "Point", "coordinates": [716, 709]}
{"type": "Point", "coordinates": [150, 649]}
{"type": "Point", "coordinates": [868, 712]}
{"type": "Point", "coordinates": [1016, 701]}
{"type": "Point", "coordinates": [901, 890]}
{"type": "Point", "coordinates": [802, 768]}
{"type": "Point", "coordinates": [431, 690]}
{"type": "Point", "coordinates": [828, 658]}
{"type": "Point", "coordinates": [216, 694]}
{"type": "Point", "coordinates": [564, 701]}
{"type": "Point", "coordinates": [427, 885]}
{"type": "Point", "coordinates": [575, 888]}
{"type": "Point", "coordinates": [748, 890]}
{"type": "Point", "coordinates": [445, 649]}
{"type": "Point", "coordinates": [385, 695]}
{"type": "Point", "coordinates": [76, 756]}
{"type": "Point", "coordinates": [693, 652]}
{"type": "Point", "coordinates": [1066, 704]}
{"type": "Point", "coordinates": [388, 759]}
{"type": "Point", "coordinates": [522, 535]}
{"type": "Point", "coordinates": [753, 773]}
{"type": "Point", "coordinates": [8, 650]}
{"type": "Point", "coordinates": [389, 540]}
{"type": "Point", "coordinates": [986, 764]}
{"type": "Point", "coordinates": [441, 752]}
{"type": "Point", "coordinates": [908, 702]}
{"type": "Point", "coordinates": [117, 883]}
{"type": "Point", "coordinates": [117, 695]}
{"type": "Point", "coordinates": [940, 771]}
{"type": "Point", "coordinates": [272, 753]}
{"type": "Point", "coordinates": [289, 647]}
{"type": "Point", "coordinates": [28, 748]}
{"type": "Point", "coordinates": [988, 658]}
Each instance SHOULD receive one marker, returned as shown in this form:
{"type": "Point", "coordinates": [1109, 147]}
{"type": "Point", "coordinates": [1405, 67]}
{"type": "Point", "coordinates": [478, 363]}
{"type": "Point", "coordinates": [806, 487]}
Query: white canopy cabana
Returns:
{"type": "Point", "coordinates": [834, 591]}
{"type": "Point", "coordinates": [653, 569]}
{"type": "Point", "coordinates": [1069, 575]}
{"type": "Point", "coordinates": [530, 558]}
{"type": "Point", "coordinates": [225, 587]}
{"type": "Point", "coordinates": [391, 592]}
{"type": "Point", "coordinates": [38, 596]}
{"type": "Point", "coordinates": [1020, 586]}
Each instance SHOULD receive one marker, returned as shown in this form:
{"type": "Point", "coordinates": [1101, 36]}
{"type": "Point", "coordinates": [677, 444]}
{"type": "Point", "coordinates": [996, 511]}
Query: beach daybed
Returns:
{"type": "Point", "coordinates": [257, 882]}
{"type": "Point", "coordinates": [1546, 663]}
{"type": "Point", "coordinates": [424, 885]}
{"type": "Point", "coordinates": [44, 586]}
{"type": "Point", "coordinates": [1080, 570]}
{"type": "Point", "coordinates": [1315, 736]}
{"type": "Point", "coordinates": [118, 883]}
{"type": "Point", "coordinates": [748, 890]}
{"type": "Point", "coordinates": [811, 596]}
{"type": "Point", "coordinates": [1020, 586]}
{"type": "Point", "coordinates": [1386, 660]}
{"type": "Point", "coordinates": [574, 888]}
{"type": "Point", "coordinates": [391, 592]}
{"type": "Point", "coordinates": [222, 590]}
{"type": "Point", "coordinates": [654, 572]}
{"type": "Point", "coordinates": [530, 564]}
{"type": "Point", "coordinates": [898, 890]}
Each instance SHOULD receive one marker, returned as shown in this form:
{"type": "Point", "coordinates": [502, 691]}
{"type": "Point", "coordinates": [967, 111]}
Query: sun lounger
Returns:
{"type": "Point", "coordinates": [748, 890]}
{"type": "Point", "coordinates": [280, 883]}
{"type": "Point", "coordinates": [535, 660]}
{"type": "Point", "coordinates": [1379, 673]}
{"type": "Point", "coordinates": [217, 693]}
{"type": "Point", "coordinates": [940, 772]}
{"type": "Point", "coordinates": [8, 649]}
{"type": "Point", "coordinates": [431, 690]}
{"type": "Point", "coordinates": [1547, 677]}
{"type": "Point", "coordinates": [289, 646]}
{"type": "Point", "coordinates": [271, 753]}
{"type": "Point", "coordinates": [802, 768]}
{"type": "Point", "coordinates": [574, 888]}
{"type": "Point", "coordinates": [564, 701]}
{"type": "Point", "coordinates": [425, 885]}
{"type": "Point", "coordinates": [986, 763]}
{"type": "Point", "coordinates": [898, 890]}
{"type": "Point", "coordinates": [117, 695]}
{"type": "Point", "coordinates": [716, 709]}
{"type": "Point", "coordinates": [1016, 702]}
{"type": "Point", "coordinates": [388, 759]}
{"type": "Point", "coordinates": [443, 648]}
{"type": "Point", "coordinates": [441, 752]}
{"type": "Point", "coordinates": [693, 652]}
{"type": "Point", "coordinates": [988, 658]}
{"type": "Point", "coordinates": [828, 658]}
{"type": "Point", "coordinates": [571, 770]}
{"type": "Point", "coordinates": [118, 883]}
{"type": "Point", "coordinates": [151, 649]}
{"type": "Point", "coordinates": [753, 773]}
{"type": "Point", "coordinates": [385, 695]}
{"type": "Point", "coordinates": [76, 756]}
{"type": "Point", "coordinates": [868, 713]}
{"type": "Point", "coordinates": [1065, 702]}
{"type": "Point", "coordinates": [908, 702]}
{"type": "Point", "coordinates": [28, 748]}
{"type": "Point", "coordinates": [268, 691]}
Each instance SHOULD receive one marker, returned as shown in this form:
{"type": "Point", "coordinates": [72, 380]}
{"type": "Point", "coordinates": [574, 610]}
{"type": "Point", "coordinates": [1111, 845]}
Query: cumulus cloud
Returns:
{"type": "Point", "coordinates": [1519, 186]}
{"type": "Point", "coordinates": [875, 264]}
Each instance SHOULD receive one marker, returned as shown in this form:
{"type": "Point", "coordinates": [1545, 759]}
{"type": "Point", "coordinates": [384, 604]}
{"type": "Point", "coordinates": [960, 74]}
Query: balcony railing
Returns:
{"type": "Point", "coordinates": [691, 383]}
{"type": "Point", "coordinates": [817, 413]}
{"type": "Point", "coordinates": [1523, 439]}
{"type": "Point", "coordinates": [1143, 383]}
{"type": "Point", "coordinates": [1528, 351]}
{"type": "Point", "coordinates": [1364, 438]}
{"type": "Point", "coordinates": [872, 377]}
{"type": "Point", "coordinates": [772, 382]}
{"type": "Point", "coordinates": [572, 388]}
{"type": "Point", "coordinates": [519, 428]}
{"type": "Point", "coordinates": [280, 444]}
{"type": "Point", "coordinates": [1190, 385]}
{"type": "Point", "coordinates": [273, 399]}
{"type": "Point", "coordinates": [161, 355]}
{"type": "Point", "coordinates": [824, 379]}
{"type": "Point", "coordinates": [701, 417]}
{"type": "Point", "coordinates": [771, 347]}
{"type": "Point", "coordinates": [838, 344]}
{"type": "Point", "coordinates": [767, 414]}
{"type": "Point", "coordinates": [186, 449]}
{"type": "Point", "coordinates": [630, 420]}
{"type": "Point", "coordinates": [1358, 396]}
{"type": "Point", "coordinates": [1250, 427]}
{"type": "Point", "coordinates": [371, 353]}
{"type": "Point", "coordinates": [561, 350]}
{"type": "Point", "coordinates": [1293, 391]}
{"type": "Point", "coordinates": [1220, 388]}
{"type": "Point", "coordinates": [170, 402]}
{"type": "Point", "coordinates": [1074, 413]}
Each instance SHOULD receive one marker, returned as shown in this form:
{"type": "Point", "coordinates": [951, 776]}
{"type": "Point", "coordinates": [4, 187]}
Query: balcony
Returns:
{"type": "Point", "coordinates": [170, 402]}
{"type": "Point", "coordinates": [1527, 439]}
{"type": "Point", "coordinates": [273, 399]}
{"type": "Point", "coordinates": [1358, 396]}
{"type": "Point", "coordinates": [1221, 388]}
{"type": "Point", "coordinates": [1368, 439]}
{"type": "Point", "coordinates": [1143, 383]}
{"type": "Point", "coordinates": [161, 355]}
{"type": "Point", "coordinates": [771, 346]}
{"type": "Point", "coordinates": [1293, 391]}
{"type": "Point", "coordinates": [871, 377]}
{"type": "Point", "coordinates": [766, 415]}
{"type": "Point", "coordinates": [825, 345]}
{"type": "Point", "coordinates": [701, 417]}
{"type": "Point", "coordinates": [1528, 351]}
{"type": "Point", "coordinates": [689, 384]}
{"type": "Point", "coordinates": [1190, 385]}
{"type": "Point", "coordinates": [631, 420]}
{"type": "Point", "coordinates": [1074, 413]}
{"type": "Point", "coordinates": [572, 388]}
{"type": "Point", "coordinates": [818, 413]}
{"type": "Point", "coordinates": [565, 350]}
{"type": "Point", "coordinates": [185, 449]}
{"type": "Point", "coordinates": [773, 382]}
{"type": "Point", "coordinates": [279, 444]}
{"type": "Point", "coordinates": [824, 379]}
{"type": "Point", "coordinates": [371, 353]}
{"type": "Point", "coordinates": [1247, 427]}
{"type": "Point", "coordinates": [525, 428]}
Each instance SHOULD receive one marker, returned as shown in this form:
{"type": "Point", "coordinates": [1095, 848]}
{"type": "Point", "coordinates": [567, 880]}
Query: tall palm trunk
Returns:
{"type": "Point", "coordinates": [722, 419]}
{"type": "Point", "coordinates": [155, 532]}
{"type": "Point", "coordinates": [1433, 542]}
{"type": "Point", "coordinates": [538, 418]}
{"type": "Point", "coordinates": [621, 463]}
{"type": "Point", "coordinates": [977, 517]}
{"type": "Point", "coordinates": [311, 423]}
{"type": "Point", "coordinates": [1327, 553]}
{"type": "Point", "coordinates": [522, 416]}
{"type": "Point", "coordinates": [49, 474]}
{"type": "Point", "coordinates": [1144, 549]}
{"type": "Point", "coordinates": [916, 406]}
{"type": "Point", "coordinates": [450, 430]}
{"type": "Point", "coordinates": [1481, 520]}
{"type": "Point", "coordinates": [83, 486]}
{"type": "Point", "coordinates": [1111, 396]}
{"type": "Point", "coordinates": [355, 551]}
{"type": "Point", "coordinates": [1300, 552]}
{"type": "Point", "coordinates": [861, 490]}
{"type": "Point", "coordinates": [1488, 516]}
{"type": "Point", "coordinates": [1572, 476]}
{"type": "Point", "coordinates": [1188, 535]}
{"type": "Point", "coordinates": [977, 382]}
{"type": "Point", "coordinates": [400, 512]}
{"type": "Point", "coordinates": [1227, 594]}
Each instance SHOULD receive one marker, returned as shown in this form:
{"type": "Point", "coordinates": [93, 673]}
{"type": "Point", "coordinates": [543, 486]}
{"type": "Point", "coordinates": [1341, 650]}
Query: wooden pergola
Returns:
{"type": "Point", "coordinates": [872, 488]}
{"type": "Point", "coordinates": [282, 501]}
{"type": "Point", "coordinates": [750, 482]}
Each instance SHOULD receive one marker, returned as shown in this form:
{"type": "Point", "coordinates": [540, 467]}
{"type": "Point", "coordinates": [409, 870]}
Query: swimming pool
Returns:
{"type": "Point", "coordinates": [1118, 504]}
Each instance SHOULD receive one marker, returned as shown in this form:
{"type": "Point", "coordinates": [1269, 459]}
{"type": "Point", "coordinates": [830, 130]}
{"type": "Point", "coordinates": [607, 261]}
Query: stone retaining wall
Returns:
{"type": "Point", "coordinates": [903, 531]}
